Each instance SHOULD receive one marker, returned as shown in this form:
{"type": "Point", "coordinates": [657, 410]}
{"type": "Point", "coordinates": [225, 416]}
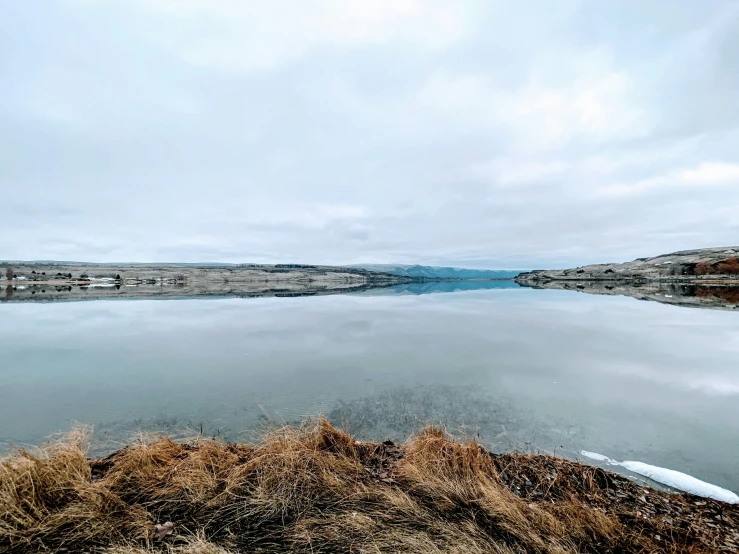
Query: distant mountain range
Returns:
{"type": "Point", "coordinates": [432, 272]}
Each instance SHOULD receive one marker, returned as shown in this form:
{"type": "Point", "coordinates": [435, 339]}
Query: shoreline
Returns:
{"type": "Point", "coordinates": [55, 282]}
{"type": "Point", "coordinates": [707, 278]}
{"type": "Point", "coordinates": [315, 489]}
{"type": "Point", "coordinates": [684, 267]}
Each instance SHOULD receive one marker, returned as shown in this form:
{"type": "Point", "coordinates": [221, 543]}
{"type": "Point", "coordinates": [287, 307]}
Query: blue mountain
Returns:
{"type": "Point", "coordinates": [432, 272]}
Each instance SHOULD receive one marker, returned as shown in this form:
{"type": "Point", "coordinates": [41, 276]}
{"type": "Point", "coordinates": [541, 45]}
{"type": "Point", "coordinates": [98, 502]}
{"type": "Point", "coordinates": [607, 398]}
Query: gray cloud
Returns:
{"type": "Point", "coordinates": [473, 133]}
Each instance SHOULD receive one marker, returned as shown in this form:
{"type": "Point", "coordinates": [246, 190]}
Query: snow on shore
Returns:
{"type": "Point", "coordinates": [671, 478]}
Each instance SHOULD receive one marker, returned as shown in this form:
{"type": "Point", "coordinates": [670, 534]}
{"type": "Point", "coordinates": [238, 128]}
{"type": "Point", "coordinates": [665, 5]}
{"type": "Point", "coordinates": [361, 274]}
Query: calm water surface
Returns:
{"type": "Point", "coordinates": [520, 368]}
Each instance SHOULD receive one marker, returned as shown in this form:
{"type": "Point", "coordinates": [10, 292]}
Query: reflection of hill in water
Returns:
{"type": "Point", "coordinates": [442, 286]}
{"type": "Point", "coordinates": [694, 295]}
{"type": "Point", "coordinates": [49, 293]}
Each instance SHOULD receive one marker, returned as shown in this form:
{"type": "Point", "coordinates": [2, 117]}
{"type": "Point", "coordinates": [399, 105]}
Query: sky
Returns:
{"type": "Point", "coordinates": [477, 133]}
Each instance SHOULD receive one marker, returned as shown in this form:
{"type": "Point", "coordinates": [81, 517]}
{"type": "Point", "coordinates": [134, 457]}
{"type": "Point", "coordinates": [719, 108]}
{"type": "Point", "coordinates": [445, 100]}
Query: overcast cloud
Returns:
{"type": "Point", "coordinates": [477, 133]}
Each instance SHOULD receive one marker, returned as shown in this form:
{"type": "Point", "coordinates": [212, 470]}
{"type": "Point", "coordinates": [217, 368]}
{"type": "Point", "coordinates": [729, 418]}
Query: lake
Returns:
{"type": "Point", "coordinates": [535, 370]}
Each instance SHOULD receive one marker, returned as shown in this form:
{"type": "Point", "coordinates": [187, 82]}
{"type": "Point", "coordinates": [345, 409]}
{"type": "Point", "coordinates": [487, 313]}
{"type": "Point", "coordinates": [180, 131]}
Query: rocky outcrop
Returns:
{"type": "Point", "coordinates": [717, 265]}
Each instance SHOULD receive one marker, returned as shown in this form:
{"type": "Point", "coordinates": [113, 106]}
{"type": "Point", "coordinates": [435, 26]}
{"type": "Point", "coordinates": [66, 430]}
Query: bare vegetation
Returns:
{"type": "Point", "coordinates": [315, 489]}
{"type": "Point", "coordinates": [730, 295]}
{"type": "Point", "coordinates": [729, 266]}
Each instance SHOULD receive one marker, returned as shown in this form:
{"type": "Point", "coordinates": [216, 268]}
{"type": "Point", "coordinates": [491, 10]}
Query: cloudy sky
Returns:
{"type": "Point", "coordinates": [478, 133]}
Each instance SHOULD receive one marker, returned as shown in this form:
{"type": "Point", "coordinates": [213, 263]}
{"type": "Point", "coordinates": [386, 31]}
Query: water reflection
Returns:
{"type": "Point", "coordinates": [179, 291]}
{"type": "Point", "coordinates": [689, 295]}
{"type": "Point", "coordinates": [713, 296]}
{"type": "Point", "coordinates": [550, 369]}
{"type": "Point", "coordinates": [443, 287]}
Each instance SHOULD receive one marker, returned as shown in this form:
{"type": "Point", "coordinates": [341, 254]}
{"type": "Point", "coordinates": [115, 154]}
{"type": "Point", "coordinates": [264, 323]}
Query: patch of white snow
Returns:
{"type": "Point", "coordinates": [596, 456]}
{"type": "Point", "coordinates": [671, 478]}
{"type": "Point", "coordinates": [682, 481]}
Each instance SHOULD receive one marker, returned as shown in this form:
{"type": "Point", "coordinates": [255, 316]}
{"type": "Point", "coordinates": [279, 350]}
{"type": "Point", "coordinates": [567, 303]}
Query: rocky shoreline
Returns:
{"type": "Point", "coordinates": [708, 265]}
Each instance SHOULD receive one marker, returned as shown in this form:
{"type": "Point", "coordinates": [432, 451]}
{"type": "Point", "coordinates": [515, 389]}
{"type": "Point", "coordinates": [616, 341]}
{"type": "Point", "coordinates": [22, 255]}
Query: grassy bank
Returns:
{"type": "Point", "coordinates": [315, 489]}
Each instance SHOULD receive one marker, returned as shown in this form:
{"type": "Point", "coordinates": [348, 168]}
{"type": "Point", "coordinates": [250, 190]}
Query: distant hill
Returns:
{"type": "Point", "coordinates": [432, 272]}
{"type": "Point", "coordinates": [711, 264]}
{"type": "Point", "coordinates": [424, 271]}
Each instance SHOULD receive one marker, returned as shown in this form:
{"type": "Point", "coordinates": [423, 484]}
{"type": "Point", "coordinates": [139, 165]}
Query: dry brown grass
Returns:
{"type": "Point", "coordinates": [315, 489]}
{"type": "Point", "coordinates": [730, 266]}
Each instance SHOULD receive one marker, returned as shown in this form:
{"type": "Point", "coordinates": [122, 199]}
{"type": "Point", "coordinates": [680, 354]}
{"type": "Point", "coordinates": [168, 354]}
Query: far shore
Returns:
{"type": "Point", "coordinates": [58, 281]}
{"type": "Point", "coordinates": [706, 278]}
{"type": "Point", "coordinates": [703, 265]}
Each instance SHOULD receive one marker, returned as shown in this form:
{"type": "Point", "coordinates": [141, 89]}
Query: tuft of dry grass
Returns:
{"type": "Point", "coordinates": [52, 494]}
{"type": "Point", "coordinates": [314, 489]}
